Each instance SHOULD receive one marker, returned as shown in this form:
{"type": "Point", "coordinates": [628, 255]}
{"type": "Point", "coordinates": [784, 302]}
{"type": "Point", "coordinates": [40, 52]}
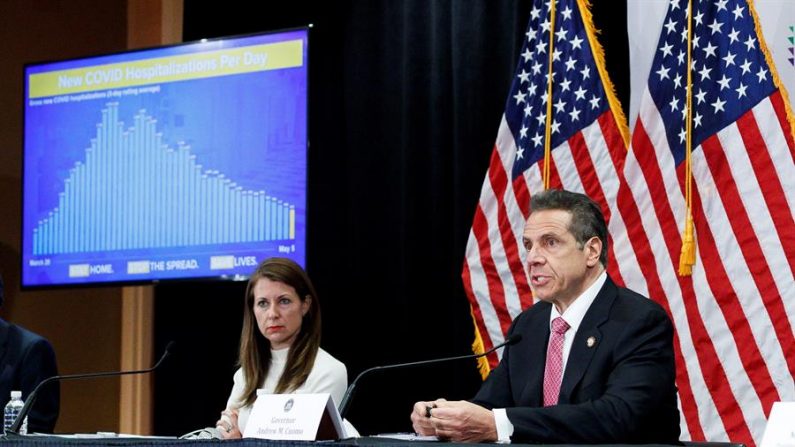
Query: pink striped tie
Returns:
{"type": "Point", "coordinates": [553, 371]}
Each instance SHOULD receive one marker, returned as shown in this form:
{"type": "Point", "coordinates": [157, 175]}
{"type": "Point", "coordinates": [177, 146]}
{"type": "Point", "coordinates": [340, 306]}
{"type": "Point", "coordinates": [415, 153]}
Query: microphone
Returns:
{"type": "Point", "coordinates": [346, 399]}
{"type": "Point", "coordinates": [23, 412]}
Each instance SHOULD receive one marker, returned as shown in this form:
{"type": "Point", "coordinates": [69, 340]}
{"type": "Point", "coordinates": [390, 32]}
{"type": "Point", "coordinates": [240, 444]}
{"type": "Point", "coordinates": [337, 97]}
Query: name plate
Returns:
{"type": "Point", "coordinates": [780, 431]}
{"type": "Point", "coordinates": [296, 417]}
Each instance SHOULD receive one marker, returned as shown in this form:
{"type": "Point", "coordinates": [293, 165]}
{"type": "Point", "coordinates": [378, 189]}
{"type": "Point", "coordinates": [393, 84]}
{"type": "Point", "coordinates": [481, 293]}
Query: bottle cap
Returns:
{"type": "Point", "coordinates": [16, 394]}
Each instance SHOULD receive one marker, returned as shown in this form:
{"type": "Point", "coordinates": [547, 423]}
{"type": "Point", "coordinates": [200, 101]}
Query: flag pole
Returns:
{"type": "Point", "coordinates": [548, 123]}
{"type": "Point", "coordinates": [687, 257]}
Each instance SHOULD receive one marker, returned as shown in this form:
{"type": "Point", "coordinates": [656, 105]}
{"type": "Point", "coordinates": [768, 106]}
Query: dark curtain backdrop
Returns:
{"type": "Point", "coordinates": [405, 101]}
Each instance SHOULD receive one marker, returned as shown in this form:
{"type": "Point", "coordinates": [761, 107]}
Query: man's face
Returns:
{"type": "Point", "coordinates": [557, 267]}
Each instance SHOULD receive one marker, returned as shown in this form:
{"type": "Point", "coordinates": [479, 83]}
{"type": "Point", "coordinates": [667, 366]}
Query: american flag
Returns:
{"type": "Point", "coordinates": [588, 146]}
{"type": "Point", "coordinates": [734, 316]}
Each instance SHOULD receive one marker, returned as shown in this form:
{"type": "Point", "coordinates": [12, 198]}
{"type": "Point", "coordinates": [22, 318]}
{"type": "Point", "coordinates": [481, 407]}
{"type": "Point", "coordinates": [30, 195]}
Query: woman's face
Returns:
{"type": "Point", "coordinates": [279, 312]}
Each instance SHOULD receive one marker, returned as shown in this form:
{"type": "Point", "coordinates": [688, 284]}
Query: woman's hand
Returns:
{"type": "Point", "coordinates": [227, 425]}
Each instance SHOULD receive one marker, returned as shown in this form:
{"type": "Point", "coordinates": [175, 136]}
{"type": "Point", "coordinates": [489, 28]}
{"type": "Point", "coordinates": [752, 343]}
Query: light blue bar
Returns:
{"type": "Point", "coordinates": [278, 225]}
{"type": "Point", "coordinates": [102, 205]}
{"type": "Point", "coordinates": [69, 212]}
{"type": "Point", "coordinates": [220, 214]}
{"type": "Point", "coordinates": [211, 224]}
{"type": "Point", "coordinates": [89, 219]}
{"type": "Point", "coordinates": [250, 216]}
{"type": "Point", "coordinates": [242, 224]}
{"type": "Point", "coordinates": [267, 220]}
{"type": "Point", "coordinates": [178, 200]}
{"type": "Point", "coordinates": [230, 212]}
{"type": "Point", "coordinates": [248, 224]}
{"type": "Point", "coordinates": [217, 215]}
{"type": "Point", "coordinates": [223, 212]}
{"type": "Point", "coordinates": [204, 205]}
{"type": "Point", "coordinates": [58, 230]}
{"type": "Point", "coordinates": [126, 157]}
{"type": "Point", "coordinates": [281, 220]}
{"type": "Point", "coordinates": [263, 216]}
{"type": "Point", "coordinates": [80, 193]}
{"type": "Point", "coordinates": [168, 227]}
{"type": "Point", "coordinates": [104, 191]}
{"type": "Point", "coordinates": [193, 227]}
{"type": "Point", "coordinates": [117, 176]}
{"type": "Point", "coordinates": [135, 192]}
{"type": "Point", "coordinates": [239, 215]}
{"type": "Point", "coordinates": [153, 204]}
{"type": "Point", "coordinates": [182, 200]}
{"type": "Point", "coordinates": [274, 223]}
{"type": "Point", "coordinates": [285, 221]}
{"type": "Point", "coordinates": [113, 177]}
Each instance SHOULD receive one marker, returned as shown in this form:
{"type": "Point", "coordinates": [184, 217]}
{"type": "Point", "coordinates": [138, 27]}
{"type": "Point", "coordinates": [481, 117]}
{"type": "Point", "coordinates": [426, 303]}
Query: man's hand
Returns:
{"type": "Point", "coordinates": [420, 418]}
{"type": "Point", "coordinates": [461, 421]}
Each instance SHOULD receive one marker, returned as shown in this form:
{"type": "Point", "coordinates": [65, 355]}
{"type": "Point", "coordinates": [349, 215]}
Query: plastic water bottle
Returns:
{"type": "Point", "coordinates": [11, 411]}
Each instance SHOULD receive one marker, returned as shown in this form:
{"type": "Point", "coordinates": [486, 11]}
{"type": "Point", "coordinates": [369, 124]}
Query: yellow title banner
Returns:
{"type": "Point", "coordinates": [231, 61]}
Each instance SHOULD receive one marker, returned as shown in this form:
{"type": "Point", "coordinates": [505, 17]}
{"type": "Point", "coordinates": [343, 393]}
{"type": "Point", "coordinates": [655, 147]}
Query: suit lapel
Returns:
{"type": "Point", "coordinates": [588, 334]}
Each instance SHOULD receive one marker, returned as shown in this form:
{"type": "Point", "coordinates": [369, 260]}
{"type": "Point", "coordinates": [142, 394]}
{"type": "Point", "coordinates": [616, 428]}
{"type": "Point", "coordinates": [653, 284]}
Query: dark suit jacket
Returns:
{"type": "Point", "coordinates": [25, 360]}
{"type": "Point", "coordinates": [620, 390]}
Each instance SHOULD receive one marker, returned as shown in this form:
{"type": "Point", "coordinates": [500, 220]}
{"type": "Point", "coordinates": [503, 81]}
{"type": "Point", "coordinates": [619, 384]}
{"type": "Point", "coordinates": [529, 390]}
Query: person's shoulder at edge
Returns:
{"type": "Point", "coordinates": [540, 307]}
{"type": "Point", "coordinates": [632, 305]}
{"type": "Point", "coordinates": [330, 363]}
{"type": "Point", "coordinates": [33, 342]}
{"type": "Point", "coordinates": [328, 375]}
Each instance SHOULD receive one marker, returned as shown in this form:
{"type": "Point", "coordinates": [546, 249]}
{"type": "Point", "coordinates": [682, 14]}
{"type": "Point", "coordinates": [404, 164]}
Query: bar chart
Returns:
{"type": "Point", "coordinates": [166, 199]}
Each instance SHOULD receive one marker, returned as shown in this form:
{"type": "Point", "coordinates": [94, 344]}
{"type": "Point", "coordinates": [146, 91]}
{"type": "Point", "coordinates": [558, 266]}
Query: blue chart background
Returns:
{"type": "Point", "coordinates": [249, 127]}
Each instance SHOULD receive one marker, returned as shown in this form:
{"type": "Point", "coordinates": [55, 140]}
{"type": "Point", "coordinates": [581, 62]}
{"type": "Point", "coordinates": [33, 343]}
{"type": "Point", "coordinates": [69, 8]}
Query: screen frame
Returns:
{"type": "Point", "coordinates": [221, 277]}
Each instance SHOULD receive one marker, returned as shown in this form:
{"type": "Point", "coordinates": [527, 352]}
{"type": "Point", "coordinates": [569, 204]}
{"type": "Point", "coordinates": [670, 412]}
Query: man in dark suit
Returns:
{"type": "Point", "coordinates": [25, 360]}
{"type": "Point", "coordinates": [596, 361]}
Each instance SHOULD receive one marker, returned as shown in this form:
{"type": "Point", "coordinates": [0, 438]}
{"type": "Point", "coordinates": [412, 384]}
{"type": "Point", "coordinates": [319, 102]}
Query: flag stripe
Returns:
{"type": "Point", "coordinates": [785, 130]}
{"type": "Point", "coordinates": [614, 142]}
{"type": "Point", "coordinates": [717, 380]}
{"type": "Point", "coordinates": [742, 281]}
{"type": "Point", "coordinates": [591, 183]}
{"type": "Point", "coordinates": [691, 332]}
{"type": "Point", "coordinates": [751, 382]}
{"type": "Point", "coordinates": [637, 238]}
{"type": "Point", "coordinates": [495, 286]}
{"type": "Point", "coordinates": [776, 141]}
{"type": "Point", "coordinates": [499, 183]}
{"type": "Point", "coordinates": [555, 181]}
{"type": "Point", "coordinates": [768, 185]}
{"type": "Point", "coordinates": [661, 223]}
{"type": "Point", "coordinates": [522, 196]}
{"type": "Point", "coordinates": [742, 226]}
{"type": "Point", "coordinates": [478, 315]}
{"type": "Point", "coordinates": [729, 404]}
{"type": "Point", "coordinates": [771, 188]}
{"type": "Point", "coordinates": [515, 203]}
{"type": "Point", "coordinates": [475, 288]}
